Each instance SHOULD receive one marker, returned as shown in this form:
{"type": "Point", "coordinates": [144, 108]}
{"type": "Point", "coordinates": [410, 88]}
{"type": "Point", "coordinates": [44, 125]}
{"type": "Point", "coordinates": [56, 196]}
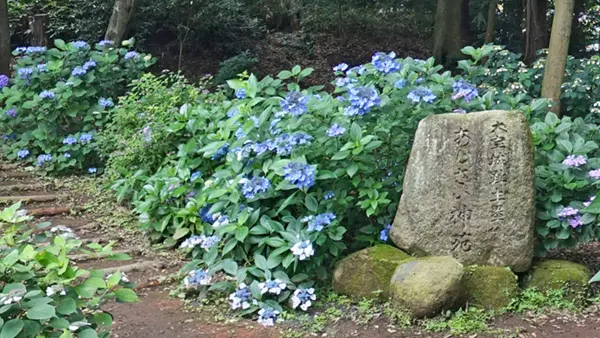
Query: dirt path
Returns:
{"type": "Point", "coordinates": [160, 316]}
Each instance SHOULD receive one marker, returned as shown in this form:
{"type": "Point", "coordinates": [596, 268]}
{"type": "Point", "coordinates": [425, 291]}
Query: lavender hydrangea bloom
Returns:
{"type": "Point", "coordinates": [465, 90]}
{"type": "Point", "coordinates": [192, 242]}
{"type": "Point", "coordinates": [268, 316]}
{"type": "Point", "coordinates": [575, 161]}
{"type": "Point", "coordinates": [131, 55]}
{"type": "Point", "coordinates": [294, 103]}
{"type": "Point", "coordinates": [595, 174]}
{"type": "Point", "coordinates": [69, 140]}
{"type": "Point", "coordinates": [589, 202]}
{"type": "Point", "coordinates": [3, 81]}
{"type": "Point", "coordinates": [575, 221]}
{"type": "Point", "coordinates": [23, 153]}
{"type": "Point", "coordinates": [42, 68]}
{"type": "Point", "coordinates": [240, 93]}
{"type": "Point", "coordinates": [47, 94]}
{"type": "Point", "coordinates": [105, 102]}
{"type": "Point", "coordinates": [303, 250]}
{"type": "Point", "coordinates": [254, 186]}
{"type": "Point", "coordinates": [196, 278]}
{"type": "Point", "coordinates": [568, 211]}
{"type": "Point", "coordinates": [89, 64]}
{"type": "Point", "coordinates": [343, 82]}
{"type": "Point", "coordinates": [85, 138]}
{"type": "Point", "coordinates": [210, 242]}
{"type": "Point", "coordinates": [42, 159]}
{"type": "Point", "coordinates": [319, 222]}
{"type": "Point", "coordinates": [386, 63]}
{"type": "Point", "coordinates": [241, 298]}
{"type": "Point", "coordinates": [300, 174]}
{"type": "Point", "coordinates": [303, 298]}
{"type": "Point", "coordinates": [384, 234]}
{"type": "Point", "coordinates": [361, 99]}
{"type": "Point", "coordinates": [335, 130]}
{"type": "Point", "coordinates": [421, 94]}
{"type": "Point", "coordinates": [78, 71]}
{"type": "Point", "coordinates": [79, 44]}
{"type": "Point", "coordinates": [341, 67]}
{"type": "Point", "coordinates": [35, 50]}
{"type": "Point", "coordinates": [25, 73]}
{"type": "Point", "coordinates": [105, 43]}
{"type": "Point", "coordinates": [12, 113]}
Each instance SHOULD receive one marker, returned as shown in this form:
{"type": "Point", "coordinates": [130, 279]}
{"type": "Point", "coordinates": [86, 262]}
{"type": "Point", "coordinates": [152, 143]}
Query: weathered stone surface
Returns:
{"type": "Point", "coordinates": [469, 190]}
{"type": "Point", "coordinates": [490, 287]}
{"type": "Point", "coordinates": [426, 286]}
{"type": "Point", "coordinates": [367, 273]}
{"type": "Point", "coordinates": [554, 274]}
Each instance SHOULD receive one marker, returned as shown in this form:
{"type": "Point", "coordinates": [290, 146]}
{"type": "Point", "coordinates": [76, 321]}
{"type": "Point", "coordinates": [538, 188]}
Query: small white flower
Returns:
{"type": "Point", "coordinates": [303, 250]}
{"type": "Point", "coordinates": [55, 289]}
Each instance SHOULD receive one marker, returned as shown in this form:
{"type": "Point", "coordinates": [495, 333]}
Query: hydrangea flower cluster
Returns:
{"type": "Point", "coordinates": [89, 64]}
{"type": "Point", "coordinates": [221, 152]}
{"type": "Point", "coordinates": [422, 94]}
{"type": "Point", "coordinates": [25, 73]}
{"type": "Point", "coordinates": [361, 99]}
{"type": "Point", "coordinates": [268, 316]}
{"type": "Point", "coordinates": [240, 93]}
{"type": "Point", "coordinates": [205, 215]}
{"type": "Point", "coordinates": [196, 279]}
{"type": "Point", "coordinates": [256, 185]}
{"type": "Point", "coordinates": [43, 159]}
{"type": "Point", "coordinates": [105, 43]}
{"type": "Point", "coordinates": [303, 250]}
{"type": "Point", "coordinates": [42, 68]}
{"type": "Point", "coordinates": [220, 220]}
{"type": "Point", "coordinates": [85, 138]}
{"type": "Point", "coordinates": [294, 103]}
{"type": "Point", "coordinates": [400, 84]}
{"type": "Point", "coordinates": [303, 298]}
{"type": "Point", "coordinates": [80, 44]}
{"type": "Point", "coordinates": [465, 90]}
{"type": "Point", "coordinates": [105, 102]}
{"type": "Point", "coordinates": [574, 161]}
{"type": "Point", "coordinates": [132, 55]}
{"type": "Point", "coordinates": [78, 71]}
{"type": "Point", "coordinates": [384, 234]}
{"type": "Point", "coordinates": [69, 140]}
{"type": "Point", "coordinates": [342, 67]}
{"type": "Point", "coordinates": [318, 222]}
{"type": "Point", "coordinates": [329, 195]}
{"type": "Point", "coordinates": [241, 298]}
{"type": "Point", "coordinates": [3, 81]}
{"type": "Point", "coordinates": [30, 50]}
{"type": "Point", "coordinates": [386, 63]}
{"type": "Point", "coordinates": [13, 296]}
{"type": "Point", "coordinates": [47, 94]}
{"type": "Point", "coordinates": [595, 174]}
{"type": "Point", "coordinates": [12, 113]}
{"type": "Point", "coordinates": [300, 174]}
{"type": "Point", "coordinates": [272, 286]}
{"type": "Point", "coordinates": [335, 130]}
{"type": "Point", "coordinates": [23, 153]}
{"type": "Point", "coordinates": [571, 215]}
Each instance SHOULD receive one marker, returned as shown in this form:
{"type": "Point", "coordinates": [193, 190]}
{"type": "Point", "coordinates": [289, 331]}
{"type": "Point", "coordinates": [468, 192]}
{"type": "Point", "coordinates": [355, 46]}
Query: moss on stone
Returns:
{"type": "Point", "coordinates": [367, 273]}
{"type": "Point", "coordinates": [554, 274]}
{"type": "Point", "coordinates": [490, 287]}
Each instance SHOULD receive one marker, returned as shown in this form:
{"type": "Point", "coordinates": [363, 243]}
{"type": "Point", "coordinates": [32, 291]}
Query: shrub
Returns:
{"type": "Point", "coordinates": [43, 294]}
{"type": "Point", "coordinates": [58, 99]}
{"type": "Point", "coordinates": [233, 66]}
{"type": "Point", "coordinates": [276, 184]}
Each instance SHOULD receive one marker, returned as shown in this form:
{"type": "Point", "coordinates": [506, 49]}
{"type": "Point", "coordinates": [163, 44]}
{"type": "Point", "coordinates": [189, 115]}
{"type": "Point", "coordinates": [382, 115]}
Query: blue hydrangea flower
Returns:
{"type": "Point", "coordinates": [105, 102]}
{"type": "Point", "coordinates": [20, 50]}
{"type": "Point", "coordinates": [85, 138]}
{"type": "Point", "coordinates": [268, 316]}
{"type": "Point", "coordinates": [335, 130]}
{"type": "Point", "coordinates": [357, 70]}
{"type": "Point", "coordinates": [386, 63]}
{"type": "Point", "coordinates": [303, 298]}
{"type": "Point", "coordinates": [400, 84]}
{"type": "Point", "coordinates": [23, 153]}
{"type": "Point", "coordinates": [106, 43]}
{"type": "Point", "coordinates": [35, 50]}
{"type": "Point", "coordinates": [12, 113]}
{"type": "Point", "coordinates": [192, 242]}
{"type": "Point", "coordinates": [239, 133]}
{"type": "Point", "coordinates": [465, 90]}
{"type": "Point", "coordinates": [69, 140]}
{"type": "Point", "coordinates": [80, 44]}
{"type": "Point", "coordinates": [209, 242]}
{"type": "Point", "coordinates": [78, 71]}
{"type": "Point", "coordinates": [329, 195]}
{"type": "Point", "coordinates": [294, 103]}
{"type": "Point", "coordinates": [254, 186]}
{"type": "Point", "coordinates": [3, 81]}
{"type": "Point", "coordinates": [131, 55]}
{"type": "Point", "coordinates": [300, 174]}
{"type": "Point", "coordinates": [195, 279]}
{"type": "Point", "coordinates": [241, 298]}
{"type": "Point", "coordinates": [361, 99]}
{"type": "Point", "coordinates": [47, 94]}
{"type": "Point", "coordinates": [384, 234]}
{"type": "Point", "coordinates": [419, 80]}
{"type": "Point", "coordinates": [195, 175]}
{"type": "Point", "coordinates": [42, 68]}
{"type": "Point", "coordinates": [240, 93]}
{"type": "Point", "coordinates": [344, 82]}
{"type": "Point", "coordinates": [272, 286]}
{"type": "Point", "coordinates": [25, 73]}
{"type": "Point", "coordinates": [318, 222]}
{"type": "Point", "coordinates": [92, 170]}
{"type": "Point", "coordinates": [303, 250]}
{"type": "Point", "coordinates": [421, 94]}
{"type": "Point", "coordinates": [341, 67]}
{"type": "Point", "coordinates": [42, 159]}
{"type": "Point", "coordinates": [89, 64]}
{"type": "Point", "coordinates": [273, 127]}
{"type": "Point", "coordinates": [205, 215]}
{"type": "Point", "coordinates": [221, 152]}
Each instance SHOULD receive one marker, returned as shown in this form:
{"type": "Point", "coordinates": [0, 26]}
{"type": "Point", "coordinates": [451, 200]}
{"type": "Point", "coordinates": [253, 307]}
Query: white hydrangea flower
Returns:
{"type": "Point", "coordinates": [303, 250]}
{"type": "Point", "coordinates": [272, 286]}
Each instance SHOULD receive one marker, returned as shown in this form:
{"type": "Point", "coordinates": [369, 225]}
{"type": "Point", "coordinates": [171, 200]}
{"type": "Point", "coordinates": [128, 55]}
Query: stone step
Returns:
{"type": "Point", "coordinates": [51, 211]}
{"type": "Point", "coordinates": [15, 187]}
{"type": "Point", "coordinates": [28, 199]}
{"type": "Point", "coordinates": [87, 257]}
{"type": "Point", "coordinates": [14, 174]}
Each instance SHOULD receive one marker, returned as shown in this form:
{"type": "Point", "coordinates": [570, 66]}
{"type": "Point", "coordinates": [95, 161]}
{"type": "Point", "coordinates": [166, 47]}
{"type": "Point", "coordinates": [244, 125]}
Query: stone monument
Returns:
{"type": "Point", "coordinates": [469, 190]}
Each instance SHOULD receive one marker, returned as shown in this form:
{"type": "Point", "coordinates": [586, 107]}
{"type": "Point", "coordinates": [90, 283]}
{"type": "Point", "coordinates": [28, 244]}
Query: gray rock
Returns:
{"type": "Point", "coordinates": [427, 286]}
{"type": "Point", "coordinates": [469, 190]}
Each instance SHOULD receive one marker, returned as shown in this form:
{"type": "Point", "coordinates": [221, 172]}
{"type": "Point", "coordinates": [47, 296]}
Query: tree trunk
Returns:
{"type": "Point", "coordinates": [37, 26]}
{"type": "Point", "coordinates": [447, 40]}
{"type": "Point", "coordinates": [557, 55]}
{"type": "Point", "coordinates": [491, 22]}
{"type": "Point", "coordinates": [465, 23]}
{"type": "Point", "coordinates": [121, 15]}
{"type": "Point", "coordinates": [536, 28]}
{"type": "Point", "coordinates": [5, 54]}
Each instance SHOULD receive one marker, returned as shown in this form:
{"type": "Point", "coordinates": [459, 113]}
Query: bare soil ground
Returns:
{"type": "Point", "coordinates": [159, 315]}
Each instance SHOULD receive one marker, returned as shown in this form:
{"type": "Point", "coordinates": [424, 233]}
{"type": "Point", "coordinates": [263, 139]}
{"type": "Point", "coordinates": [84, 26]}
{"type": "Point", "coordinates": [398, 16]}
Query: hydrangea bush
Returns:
{"type": "Point", "coordinates": [57, 102]}
{"type": "Point", "coordinates": [43, 294]}
{"type": "Point", "coordinates": [273, 185]}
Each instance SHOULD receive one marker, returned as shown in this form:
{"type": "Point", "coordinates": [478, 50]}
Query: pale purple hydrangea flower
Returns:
{"type": "Point", "coordinates": [336, 130]}
{"type": "Point", "coordinates": [3, 81]}
{"type": "Point", "coordinates": [595, 174]}
{"type": "Point", "coordinates": [574, 161]}
{"type": "Point", "coordinates": [12, 113]}
{"type": "Point", "coordinates": [341, 67]}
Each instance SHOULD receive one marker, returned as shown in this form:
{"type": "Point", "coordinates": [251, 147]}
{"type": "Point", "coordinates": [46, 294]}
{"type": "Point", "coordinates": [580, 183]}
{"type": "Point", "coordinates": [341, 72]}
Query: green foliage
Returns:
{"type": "Point", "coordinates": [234, 66]}
{"type": "Point", "coordinates": [471, 320]}
{"type": "Point", "coordinates": [43, 294]}
{"type": "Point", "coordinates": [532, 299]}
{"type": "Point", "coordinates": [57, 102]}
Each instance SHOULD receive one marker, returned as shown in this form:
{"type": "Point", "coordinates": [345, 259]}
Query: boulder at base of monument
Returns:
{"type": "Point", "coordinates": [469, 190]}
{"type": "Point", "coordinates": [490, 287]}
{"type": "Point", "coordinates": [555, 274]}
{"type": "Point", "coordinates": [427, 286]}
{"type": "Point", "coordinates": [367, 273]}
